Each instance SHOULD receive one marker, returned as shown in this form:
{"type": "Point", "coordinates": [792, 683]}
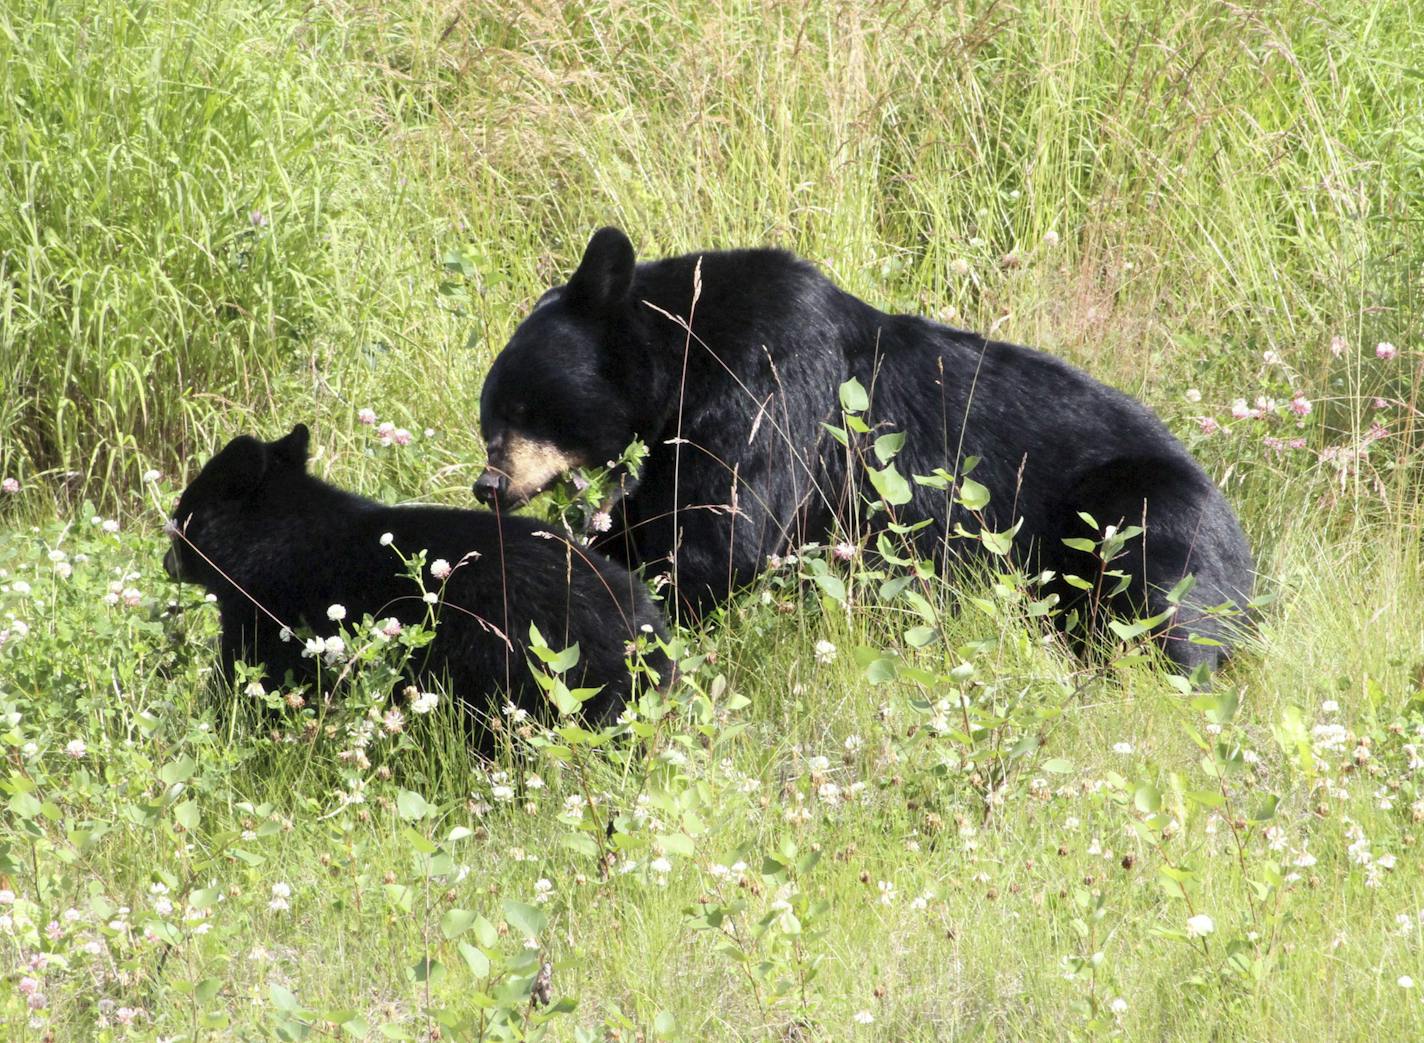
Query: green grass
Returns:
{"type": "Point", "coordinates": [1220, 183]}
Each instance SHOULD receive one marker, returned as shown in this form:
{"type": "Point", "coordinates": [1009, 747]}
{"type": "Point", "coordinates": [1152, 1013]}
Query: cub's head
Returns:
{"type": "Point", "coordinates": [228, 500]}
{"type": "Point", "coordinates": [564, 392]}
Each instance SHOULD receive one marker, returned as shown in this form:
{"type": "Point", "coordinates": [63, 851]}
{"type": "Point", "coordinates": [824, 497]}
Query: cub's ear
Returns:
{"type": "Point", "coordinates": [605, 275]}
{"type": "Point", "coordinates": [239, 467]}
{"type": "Point", "coordinates": [292, 448]}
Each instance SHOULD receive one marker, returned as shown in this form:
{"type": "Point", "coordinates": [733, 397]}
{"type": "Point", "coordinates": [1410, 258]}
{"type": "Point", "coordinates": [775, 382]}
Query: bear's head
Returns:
{"type": "Point", "coordinates": [570, 389]}
{"type": "Point", "coordinates": [227, 501]}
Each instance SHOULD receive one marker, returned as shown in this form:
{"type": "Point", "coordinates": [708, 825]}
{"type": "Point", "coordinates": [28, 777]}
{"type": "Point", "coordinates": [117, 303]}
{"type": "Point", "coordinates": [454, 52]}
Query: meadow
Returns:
{"type": "Point", "coordinates": [873, 807]}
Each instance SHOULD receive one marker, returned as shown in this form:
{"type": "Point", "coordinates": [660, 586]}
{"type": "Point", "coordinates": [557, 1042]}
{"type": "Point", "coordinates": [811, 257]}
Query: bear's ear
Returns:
{"type": "Point", "coordinates": [238, 469]}
{"type": "Point", "coordinates": [605, 275]}
{"type": "Point", "coordinates": [292, 448]}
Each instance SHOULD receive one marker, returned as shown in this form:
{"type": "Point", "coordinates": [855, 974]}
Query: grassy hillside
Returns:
{"type": "Point", "coordinates": [858, 817]}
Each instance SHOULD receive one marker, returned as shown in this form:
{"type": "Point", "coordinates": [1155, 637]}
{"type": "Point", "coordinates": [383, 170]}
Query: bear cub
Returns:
{"type": "Point", "coordinates": [278, 547]}
{"type": "Point", "coordinates": [727, 366]}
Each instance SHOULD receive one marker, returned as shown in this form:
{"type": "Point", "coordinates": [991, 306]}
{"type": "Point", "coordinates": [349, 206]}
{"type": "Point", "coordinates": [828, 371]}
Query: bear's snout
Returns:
{"type": "Point", "coordinates": [491, 487]}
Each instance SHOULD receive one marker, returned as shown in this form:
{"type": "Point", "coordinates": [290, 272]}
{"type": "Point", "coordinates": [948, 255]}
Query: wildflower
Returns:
{"type": "Point", "coordinates": [386, 433]}
{"type": "Point", "coordinates": [132, 596]}
{"type": "Point", "coordinates": [1406, 982]}
{"type": "Point", "coordinates": [1122, 747]}
{"type": "Point", "coordinates": [1386, 351]}
{"type": "Point", "coordinates": [110, 526]}
{"type": "Point", "coordinates": [502, 793]}
{"type": "Point", "coordinates": [440, 569]}
{"type": "Point", "coordinates": [151, 475]}
{"type": "Point", "coordinates": [1192, 395]}
{"type": "Point", "coordinates": [425, 702]}
{"type": "Point", "coordinates": [1208, 425]}
{"type": "Point", "coordinates": [1271, 358]}
{"type": "Point", "coordinates": [1200, 926]}
{"type": "Point", "coordinates": [601, 521]}
{"type": "Point", "coordinates": [660, 865]}
{"type": "Point", "coordinates": [387, 538]}
{"type": "Point", "coordinates": [431, 598]}
{"type": "Point", "coordinates": [391, 627]}
{"type": "Point", "coordinates": [10, 485]}
{"type": "Point", "coordinates": [76, 749]}
{"type": "Point", "coordinates": [825, 651]}
{"type": "Point", "coordinates": [843, 551]}
{"type": "Point", "coordinates": [336, 613]}
{"type": "Point", "coordinates": [864, 1017]}
{"type": "Point", "coordinates": [393, 720]}
{"type": "Point", "coordinates": [1240, 410]}
{"type": "Point", "coordinates": [853, 743]}
{"type": "Point", "coordinates": [1329, 706]}
{"type": "Point", "coordinates": [1050, 238]}
{"type": "Point", "coordinates": [1300, 405]}
{"type": "Point", "coordinates": [887, 891]}
{"type": "Point", "coordinates": [959, 266]}
{"type": "Point", "coordinates": [1338, 344]}
{"type": "Point", "coordinates": [7, 897]}
{"type": "Point", "coordinates": [367, 416]}
{"type": "Point", "coordinates": [280, 893]}
{"type": "Point", "coordinates": [401, 436]}
{"type": "Point", "coordinates": [1118, 1006]}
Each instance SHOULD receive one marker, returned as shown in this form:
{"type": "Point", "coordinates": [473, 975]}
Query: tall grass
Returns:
{"type": "Point", "coordinates": [224, 217]}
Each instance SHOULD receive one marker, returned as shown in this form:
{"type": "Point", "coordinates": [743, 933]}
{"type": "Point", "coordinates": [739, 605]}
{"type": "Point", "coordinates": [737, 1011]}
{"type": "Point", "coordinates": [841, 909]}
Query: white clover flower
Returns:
{"type": "Point", "coordinates": [887, 892]}
{"type": "Point", "coordinates": [1200, 926]}
{"type": "Point", "coordinates": [543, 890]}
{"type": "Point", "coordinates": [660, 865]}
{"type": "Point", "coordinates": [431, 598]}
{"type": "Point", "coordinates": [387, 538]}
{"type": "Point", "coordinates": [336, 613]}
{"type": "Point", "coordinates": [110, 526]}
{"type": "Point", "coordinates": [1405, 982]}
{"type": "Point", "coordinates": [864, 1017]}
{"type": "Point", "coordinates": [1122, 747]}
{"type": "Point", "coordinates": [534, 782]}
{"type": "Point", "coordinates": [1118, 1006]}
{"type": "Point", "coordinates": [76, 749]}
{"type": "Point", "coordinates": [440, 568]}
{"type": "Point", "coordinates": [825, 651]}
{"type": "Point", "coordinates": [502, 793]}
{"type": "Point", "coordinates": [425, 702]}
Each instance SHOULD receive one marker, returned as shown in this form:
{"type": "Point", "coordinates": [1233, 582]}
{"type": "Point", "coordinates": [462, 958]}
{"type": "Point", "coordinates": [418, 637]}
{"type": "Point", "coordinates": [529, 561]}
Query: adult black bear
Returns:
{"type": "Point", "coordinates": [279, 547]}
{"type": "Point", "coordinates": [731, 386]}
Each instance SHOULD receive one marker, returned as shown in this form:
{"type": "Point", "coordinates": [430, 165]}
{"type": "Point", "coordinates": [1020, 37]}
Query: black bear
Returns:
{"type": "Point", "coordinates": [278, 547]}
{"type": "Point", "coordinates": [727, 365]}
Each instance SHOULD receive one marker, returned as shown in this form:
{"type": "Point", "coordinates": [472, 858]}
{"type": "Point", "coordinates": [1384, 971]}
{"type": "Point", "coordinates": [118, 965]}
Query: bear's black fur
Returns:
{"type": "Point", "coordinates": [741, 465]}
{"type": "Point", "coordinates": [278, 547]}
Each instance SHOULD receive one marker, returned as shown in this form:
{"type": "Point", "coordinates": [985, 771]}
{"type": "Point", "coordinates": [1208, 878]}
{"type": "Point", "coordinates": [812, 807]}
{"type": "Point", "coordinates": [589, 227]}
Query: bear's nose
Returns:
{"type": "Point", "coordinates": [490, 487]}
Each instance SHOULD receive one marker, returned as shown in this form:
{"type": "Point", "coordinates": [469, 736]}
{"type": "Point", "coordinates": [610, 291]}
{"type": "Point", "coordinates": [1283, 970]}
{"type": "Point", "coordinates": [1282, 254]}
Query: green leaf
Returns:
{"type": "Point", "coordinates": [853, 397]}
{"type": "Point", "coordinates": [918, 637]}
{"type": "Point", "coordinates": [972, 495]}
{"type": "Point", "coordinates": [664, 1025]}
{"type": "Point", "coordinates": [411, 806]}
{"type": "Point", "coordinates": [206, 990]}
{"type": "Point", "coordinates": [456, 922]}
{"type": "Point", "coordinates": [476, 960]}
{"type": "Point", "coordinates": [890, 484]}
{"type": "Point", "coordinates": [180, 770]}
{"type": "Point", "coordinates": [1147, 798]}
{"type": "Point", "coordinates": [886, 446]}
{"type": "Point", "coordinates": [486, 933]}
{"type": "Point", "coordinates": [187, 814]}
{"type": "Point", "coordinates": [526, 919]}
{"type": "Point", "coordinates": [283, 999]}
{"type": "Point", "coordinates": [1058, 766]}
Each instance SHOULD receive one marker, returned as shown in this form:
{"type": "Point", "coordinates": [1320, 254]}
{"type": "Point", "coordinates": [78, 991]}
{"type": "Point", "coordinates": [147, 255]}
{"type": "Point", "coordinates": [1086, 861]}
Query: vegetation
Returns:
{"type": "Point", "coordinates": [858, 815]}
